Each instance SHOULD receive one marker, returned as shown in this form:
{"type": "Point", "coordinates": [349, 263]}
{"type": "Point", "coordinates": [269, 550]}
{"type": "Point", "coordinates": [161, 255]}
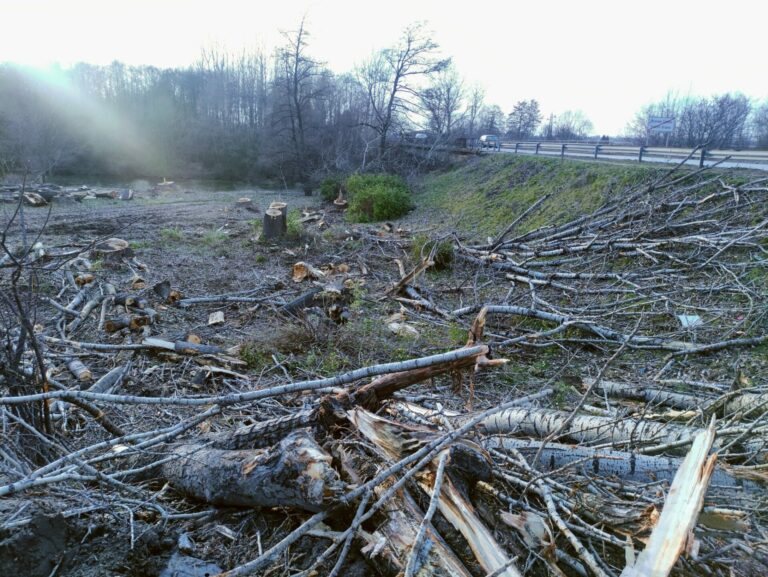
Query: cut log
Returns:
{"type": "Point", "coordinates": [133, 322]}
{"type": "Point", "coordinates": [79, 370]}
{"type": "Point", "coordinates": [110, 382]}
{"type": "Point", "coordinates": [125, 194]}
{"type": "Point", "coordinates": [610, 464]}
{"type": "Point", "coordinates": [183, 347]}
{"type": "Point", "coordinates": [295, 473]}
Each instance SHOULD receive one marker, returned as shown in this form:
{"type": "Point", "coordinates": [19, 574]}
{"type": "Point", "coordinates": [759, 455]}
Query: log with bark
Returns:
{"type": "Point", "coordinates": [296, 472]}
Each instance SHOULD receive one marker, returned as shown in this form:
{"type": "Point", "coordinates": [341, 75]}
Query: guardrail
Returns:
{"type": "Point", "coordinates": [757, 159]}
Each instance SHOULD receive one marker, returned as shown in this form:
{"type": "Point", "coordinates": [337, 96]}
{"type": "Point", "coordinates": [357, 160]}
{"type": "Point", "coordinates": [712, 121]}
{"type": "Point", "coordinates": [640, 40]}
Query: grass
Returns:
{"type": "Point", "coordinates": [172, 234]}
{"type": "Point", "coordinates": [213, 237]}
{"type": "Point", "coordinates": [484, 195]}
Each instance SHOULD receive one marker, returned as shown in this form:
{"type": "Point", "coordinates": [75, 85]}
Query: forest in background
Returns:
{"type": "Point", "coordinates": [284, 116]}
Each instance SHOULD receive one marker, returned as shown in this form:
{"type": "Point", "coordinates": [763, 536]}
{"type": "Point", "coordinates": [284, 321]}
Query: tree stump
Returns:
{"type": "Point", "coordinates": [273, 224]}
{"type": "Point", "coordinates": [283, 208]}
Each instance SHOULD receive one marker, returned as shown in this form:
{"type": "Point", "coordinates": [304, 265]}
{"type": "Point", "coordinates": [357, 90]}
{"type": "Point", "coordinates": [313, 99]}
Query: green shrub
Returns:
{"type": "Point", "coordinates": [359, 182]}
{"type": "Point", "coordinates": [374, 197]}
{"type": "Point", "coordinates": [380, 203]}
{"type": "Point", "coordinates": [293, 225]}
{"type": "Point", "coordinates": [330, 188]}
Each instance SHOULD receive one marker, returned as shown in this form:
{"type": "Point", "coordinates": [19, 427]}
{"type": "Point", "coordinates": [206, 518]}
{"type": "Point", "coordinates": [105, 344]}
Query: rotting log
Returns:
{"type": "Point", "coordinates": [295, 473]}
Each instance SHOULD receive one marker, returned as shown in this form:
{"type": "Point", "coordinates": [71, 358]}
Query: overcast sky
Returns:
{"type": "Point", "coordinates": [606, 58]}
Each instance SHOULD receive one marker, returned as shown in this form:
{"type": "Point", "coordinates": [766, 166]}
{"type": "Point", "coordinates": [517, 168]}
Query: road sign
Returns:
{"type": "Point", "coordinates": [661, 124]}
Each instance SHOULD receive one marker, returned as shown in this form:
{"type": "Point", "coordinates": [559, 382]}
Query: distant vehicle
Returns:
{"type": "Point", "coordinates": [490, 141]}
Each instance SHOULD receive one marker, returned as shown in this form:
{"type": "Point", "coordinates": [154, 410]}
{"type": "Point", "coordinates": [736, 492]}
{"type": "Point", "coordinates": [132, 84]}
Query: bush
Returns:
{"type": "Point", "coordinates": [359, 182]}
{"type": "Point", "coordinates": [330, 188]}
{"type": "Point", "coordinates": [379, 203]}
{"type": "Point", "coordinates": [374, 197]}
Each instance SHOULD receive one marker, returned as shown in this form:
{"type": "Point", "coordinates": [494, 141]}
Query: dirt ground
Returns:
{"type": "Point", "coordinates": [203, 243]}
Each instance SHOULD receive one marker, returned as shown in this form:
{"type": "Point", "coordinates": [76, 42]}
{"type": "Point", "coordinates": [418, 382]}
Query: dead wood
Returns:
{"type": "Point", "coordinates": [673, 533]}
{"type": "Point", "coordinates": [273, 224]}
{"type": "Point", "coordinates": [617, 465]}
{"type": "Point", "coordinates": [590, 429]}
{"type": "Point", "coordinates": [395, 440]}
{"type": "Point", "coordinates": [295, 473]}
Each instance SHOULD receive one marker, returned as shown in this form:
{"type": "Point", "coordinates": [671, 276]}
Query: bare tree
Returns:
{"type": "Point", "coordinates": [491, 120]}
{"type": "Point", "coordinates": [296, 78]}
{"type": "Point", "coordinates": [719, 122]}
{"type": "Point", "coordinates": [474, 107]}
{"type": "Point", "coordinates": [759, 125]}
{"type": "Point", "coordinates": [390, 79]}
{"type": "Point", "coordinates": [443, 100]}
{"type": "Point", "coordinates": [572, 125]}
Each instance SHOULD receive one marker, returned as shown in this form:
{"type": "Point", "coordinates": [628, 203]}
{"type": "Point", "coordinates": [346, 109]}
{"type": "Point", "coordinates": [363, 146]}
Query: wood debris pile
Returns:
{"type": "Point", "coordinates": [408, 467]}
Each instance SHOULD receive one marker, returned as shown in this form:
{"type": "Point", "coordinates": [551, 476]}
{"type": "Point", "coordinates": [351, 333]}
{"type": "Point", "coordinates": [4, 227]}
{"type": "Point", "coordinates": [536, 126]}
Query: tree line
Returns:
{"type": "Point", "coordinates": [282, 114]}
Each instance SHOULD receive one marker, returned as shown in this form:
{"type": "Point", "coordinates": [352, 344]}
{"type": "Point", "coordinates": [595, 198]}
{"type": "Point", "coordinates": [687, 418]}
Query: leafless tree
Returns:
{"type": "Point", "coordinates": [443, 101]}
{"type": "Point", "coordinates": [474, 107]}
{"type": "Point", "coordinates": [391, 80]}
{"type": "Point", "coordinates": [759, 125]}
{"type": "Point", "coordinates": [572, 125]}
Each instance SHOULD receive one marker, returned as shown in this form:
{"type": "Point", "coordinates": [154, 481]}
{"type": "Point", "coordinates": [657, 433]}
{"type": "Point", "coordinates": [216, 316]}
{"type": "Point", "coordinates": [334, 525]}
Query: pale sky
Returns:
{"type": "Point", "coordinates": [606, 58]}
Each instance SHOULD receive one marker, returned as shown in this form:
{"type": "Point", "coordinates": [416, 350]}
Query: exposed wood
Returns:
{"type": "Point", "coordinates": [673, 533]}
{"type": "Point", "coordinates": [81, 372]}
{"type": "Point", "coordinates": [454, 506]}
